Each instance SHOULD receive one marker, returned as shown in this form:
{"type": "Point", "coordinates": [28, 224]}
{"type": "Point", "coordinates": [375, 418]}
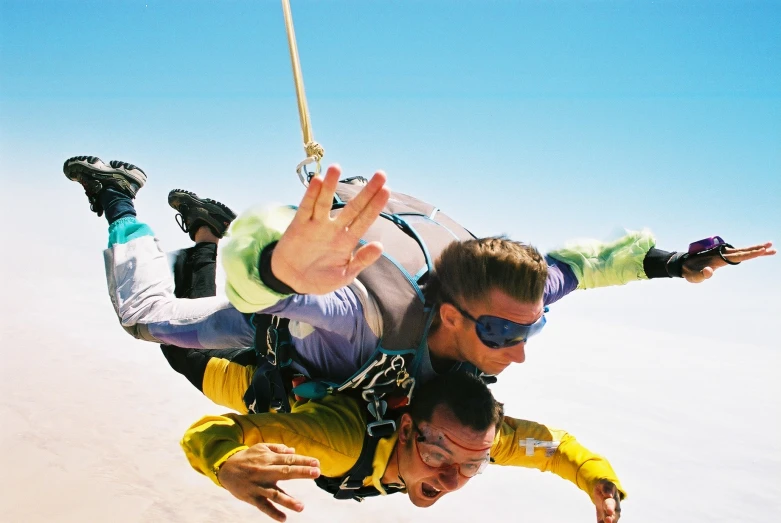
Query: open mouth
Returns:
{"type": "Point", "coordinates": [429, 491]}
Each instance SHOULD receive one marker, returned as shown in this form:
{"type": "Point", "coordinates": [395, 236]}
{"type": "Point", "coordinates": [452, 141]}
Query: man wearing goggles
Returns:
{"type": "Point", "coordinates": [490, 342]}
{"type": "Point", "coordinates": [489, 294]}
{"type": "Point", "coordinates": [498, 333]}
{"type": "Point", "coordinates": [491, 297]}
{"type": "Point", "coordinates": [433, 449]}
{"type": "Point", "coordinates": [451, 432]}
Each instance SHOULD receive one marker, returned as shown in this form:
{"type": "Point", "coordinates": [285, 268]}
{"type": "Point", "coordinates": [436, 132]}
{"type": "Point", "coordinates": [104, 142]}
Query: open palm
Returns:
{"type": "Point", "coordinates": [317, 253]}
{"type": "Point", "coordinates": [700, 268]}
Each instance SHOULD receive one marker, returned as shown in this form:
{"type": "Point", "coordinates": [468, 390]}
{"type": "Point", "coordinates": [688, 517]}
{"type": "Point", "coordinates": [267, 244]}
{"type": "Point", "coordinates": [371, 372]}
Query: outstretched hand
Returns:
{"type": "Point", "coordinates": [317, 253]}
{"type": "Point", "coordinates": [697, 269]}
{"type": "Point", "coordinates": [608, 502]}
{"type": "Point", "coordinates": [252, 474]}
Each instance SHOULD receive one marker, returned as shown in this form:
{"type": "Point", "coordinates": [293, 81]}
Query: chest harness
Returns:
{"type": "Point", "coordinates": [413, 234]}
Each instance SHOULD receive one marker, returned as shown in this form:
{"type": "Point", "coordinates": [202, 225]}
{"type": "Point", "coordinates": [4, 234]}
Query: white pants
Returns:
{"type": "Point", "coordinates": [141, 288]}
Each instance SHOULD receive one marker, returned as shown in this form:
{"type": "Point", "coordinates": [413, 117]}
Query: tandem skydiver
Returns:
{"type": "Point", "coordinates": [446, 411]}
{"type": "Point", "coordinates": [452, 431]}
{"type": "Point", "coordinates": [436, 300]}
{"type": "Point", "coordinates": [452, 425]}
{"type": "Point", "coordinates": [141, 288]}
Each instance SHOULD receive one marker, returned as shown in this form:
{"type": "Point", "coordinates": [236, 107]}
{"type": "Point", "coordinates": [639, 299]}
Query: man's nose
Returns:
{"type": "Point", "coordinates": [517, 353]}
{"type": "Point", "coordinates": [448, 477]}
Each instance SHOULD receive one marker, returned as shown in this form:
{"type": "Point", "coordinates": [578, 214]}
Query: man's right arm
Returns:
{"type": "Point", "coordinates": [313, 252]}
{"type": "Point", "coordinates": [251, 475]}
{"type": "Point", "coordinates": [249, 235]}
{"type": "Point", "coordinates": [248, 454]}
{"type": "Point", "coordinates": [245, 256]}
{"type": "Point", "coordinates": [330, 431]}
{"type": "Point", "coordinates": [214, 447]}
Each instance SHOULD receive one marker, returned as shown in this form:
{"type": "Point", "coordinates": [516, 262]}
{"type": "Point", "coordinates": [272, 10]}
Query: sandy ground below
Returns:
{"type": "Point", "coordinates": [91, 427]}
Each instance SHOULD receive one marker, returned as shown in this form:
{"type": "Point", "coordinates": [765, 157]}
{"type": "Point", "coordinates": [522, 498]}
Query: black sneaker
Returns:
{"type": "Point", "coordinates": [195, 212]}
{"type": "Point", "coordinates": [94, 176]}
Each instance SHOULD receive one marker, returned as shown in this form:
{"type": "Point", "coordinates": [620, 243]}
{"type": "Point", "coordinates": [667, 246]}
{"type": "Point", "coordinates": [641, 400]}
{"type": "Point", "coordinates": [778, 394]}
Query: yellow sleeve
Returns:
{"type": "Point", "coordinates": [569, 460]}
{"type": "Point", "coordinates": [225, 382]}
{"type": "Point", "coordinates": [330, 430]}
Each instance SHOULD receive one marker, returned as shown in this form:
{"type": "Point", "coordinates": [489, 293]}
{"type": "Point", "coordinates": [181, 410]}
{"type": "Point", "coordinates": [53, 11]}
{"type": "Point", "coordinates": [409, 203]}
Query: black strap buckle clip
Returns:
{"type": "Point", "coordinates": [381, 429]}
{"type": "Point", "coordinates": [272, 339]}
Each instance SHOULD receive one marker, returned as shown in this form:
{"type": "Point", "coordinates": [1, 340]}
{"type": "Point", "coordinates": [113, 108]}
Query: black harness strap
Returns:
{"type": "Point", "coordinates": [350, 486]}
{"type": "Point", "coordinates": [273, 350]}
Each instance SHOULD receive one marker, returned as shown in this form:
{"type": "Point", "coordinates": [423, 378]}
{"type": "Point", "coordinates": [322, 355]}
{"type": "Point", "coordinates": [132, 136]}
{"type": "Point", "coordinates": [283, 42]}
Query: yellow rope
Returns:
{"type": "Point", "coordinates": [313, 149]}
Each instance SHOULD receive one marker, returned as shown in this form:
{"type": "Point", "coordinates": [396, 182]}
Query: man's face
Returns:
{"type": "Point", "coordinates": [444, 441]}
{"type": "Point", "coordinates": [488, 360]}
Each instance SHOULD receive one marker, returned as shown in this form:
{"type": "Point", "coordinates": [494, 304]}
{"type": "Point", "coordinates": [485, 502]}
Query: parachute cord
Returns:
{"type": "Point", "coordinates": [314, 151]}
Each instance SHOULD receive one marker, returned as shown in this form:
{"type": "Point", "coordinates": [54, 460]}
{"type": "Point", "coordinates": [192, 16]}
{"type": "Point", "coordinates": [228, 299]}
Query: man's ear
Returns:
{"type": "Point", "coordinates": [449, 316]}
{"type": "Point", "coordinates": [405, 428]}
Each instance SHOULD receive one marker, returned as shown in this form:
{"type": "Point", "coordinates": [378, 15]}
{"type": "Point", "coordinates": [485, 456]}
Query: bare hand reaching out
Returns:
{"type": "Point", "coordinates": [608, 502]}
{"type": "Point", "coordinates": [699, 268]}
{"type": "Point", "coordinates": [252, 475]}
{"type": "Point", "coordinates": [317, 253]}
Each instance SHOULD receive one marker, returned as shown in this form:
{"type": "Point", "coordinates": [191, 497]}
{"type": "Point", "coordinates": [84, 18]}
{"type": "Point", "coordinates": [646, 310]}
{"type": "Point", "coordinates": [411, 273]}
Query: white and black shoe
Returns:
{"type": "Point", "coordinates": [193, 212]}
{"type": "Point", "coordinates": [94, 176]}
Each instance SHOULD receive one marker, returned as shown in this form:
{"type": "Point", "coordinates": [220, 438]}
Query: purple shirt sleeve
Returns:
{"type": "Point", "coordinates": [339, 312]}
{"type": "Point", "coordinates": [341, 340]}
{"type": "Point", "coordinates": [561, 281]}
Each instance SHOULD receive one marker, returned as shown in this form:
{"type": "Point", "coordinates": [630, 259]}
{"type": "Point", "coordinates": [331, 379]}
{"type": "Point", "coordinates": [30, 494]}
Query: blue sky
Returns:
{"type": "Point", "coordinates": [543, 120]}
{"type": "Point", "coordinates": [596, 114]}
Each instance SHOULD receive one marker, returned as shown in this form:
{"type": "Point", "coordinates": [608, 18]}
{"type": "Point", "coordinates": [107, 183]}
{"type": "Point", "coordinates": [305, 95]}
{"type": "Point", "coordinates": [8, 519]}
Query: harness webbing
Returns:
{"type": "Point", "coordinates": [350, 486]}
{"type": "Point", "coordinates": [270, 384]}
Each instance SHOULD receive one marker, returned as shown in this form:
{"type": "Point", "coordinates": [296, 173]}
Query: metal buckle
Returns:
{"type": "Point", "coordinates": [345, 486]}
{"type": "Point", "coordinates": [276, 405]}
{"type": "Point", "coordinates": [272, 338]}
{"type": "Point", "coordinates": [381, 429]}
{"type": "Point", "coordinates": [488, 379]}
{"type": "Point", "coordinates": [377, 407]}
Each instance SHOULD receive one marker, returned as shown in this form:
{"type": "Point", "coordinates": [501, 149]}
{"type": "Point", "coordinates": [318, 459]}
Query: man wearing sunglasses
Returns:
{"type": "Point", "coordinates": [453, 430]}
{"type": "Point", "coordinates": [489, 295]}
{"type": "Point", "coordinates": [485, 298]}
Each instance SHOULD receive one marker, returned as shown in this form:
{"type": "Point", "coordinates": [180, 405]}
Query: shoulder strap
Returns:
{"type": "Point", "coordinates": [274, 353]}
{"type": "Point", "coordinates": [350, 486]}
{"type": "Point", "coordinates": [413, 234]}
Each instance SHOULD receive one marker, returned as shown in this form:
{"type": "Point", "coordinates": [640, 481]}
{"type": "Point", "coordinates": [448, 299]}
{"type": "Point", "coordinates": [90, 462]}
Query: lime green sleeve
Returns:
{"type": "Point", "coordinates": [240, 253]}
{"type": "Point", "coordinates": [598, 264]}
{"type": "Point", "coordinates": [551, 450]}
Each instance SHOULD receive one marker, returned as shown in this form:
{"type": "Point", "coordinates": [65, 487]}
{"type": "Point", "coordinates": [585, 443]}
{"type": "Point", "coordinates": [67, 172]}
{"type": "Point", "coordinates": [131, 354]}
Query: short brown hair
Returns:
{"type": "Point", "coordinates": [468, 398]}
{"type": "Point", "coordinates": [468, 270]}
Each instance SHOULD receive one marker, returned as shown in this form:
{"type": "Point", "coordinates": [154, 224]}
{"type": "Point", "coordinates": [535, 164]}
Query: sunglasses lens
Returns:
{"type": "Point", "coordinates": [498, 333]}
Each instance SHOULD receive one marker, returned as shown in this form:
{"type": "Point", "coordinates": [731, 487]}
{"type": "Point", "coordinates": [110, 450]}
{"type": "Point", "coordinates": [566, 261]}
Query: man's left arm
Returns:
{"type": "Point", "coordinates": [522, 443]}
{"type": "Point", "coordinates": [590, 264]}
